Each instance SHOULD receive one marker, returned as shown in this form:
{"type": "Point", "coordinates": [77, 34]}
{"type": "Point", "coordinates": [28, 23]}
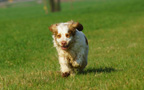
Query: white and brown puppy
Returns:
{"type": "Point", "coordinates": [71, 45]}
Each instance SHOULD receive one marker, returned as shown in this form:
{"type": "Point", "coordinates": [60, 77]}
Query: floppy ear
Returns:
{"type": "Point", "coordinates": [73, 26]}
{"type": "Point", "coordinates": [53, 28]}
{"type": "Point", "coordinates": [77, 25]}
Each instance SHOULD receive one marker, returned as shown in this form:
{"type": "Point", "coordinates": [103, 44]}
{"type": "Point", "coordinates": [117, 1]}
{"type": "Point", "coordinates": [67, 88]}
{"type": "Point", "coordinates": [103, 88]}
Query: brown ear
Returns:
{"type": "Point", "coordinates": [77, 25]}
{"type": "Point", "coordinates": [53, 28]}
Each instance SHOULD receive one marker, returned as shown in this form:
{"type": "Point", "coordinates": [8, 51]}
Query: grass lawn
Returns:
{"type": "Point", "coordinates": [115, 31]}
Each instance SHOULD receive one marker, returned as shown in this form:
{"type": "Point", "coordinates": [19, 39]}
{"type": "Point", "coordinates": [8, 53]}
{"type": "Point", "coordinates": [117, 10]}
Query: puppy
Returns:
{"type": "Point", "coordinates": [71, 45]}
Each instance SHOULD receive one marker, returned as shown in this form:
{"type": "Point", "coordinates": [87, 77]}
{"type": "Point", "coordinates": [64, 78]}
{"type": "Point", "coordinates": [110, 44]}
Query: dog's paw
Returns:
{"type": "Point", "coordinates": [75, 64]}
{"type": "Point", "coordinates": [66, 74]}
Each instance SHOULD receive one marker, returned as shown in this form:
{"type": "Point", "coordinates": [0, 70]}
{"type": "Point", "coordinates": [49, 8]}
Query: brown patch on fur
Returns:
{"type": "Point", "coordinates": [55, 34]}
{"type": "Point", "coordinates": [71, 32]}
{"type": "Point", "coordinates": [67, 35]}
{"type": "Point", "coordinates": [75, 25]}
{"type": "Point", "coordinates": [53, 28]}
{"type": "Point", "coordinates": [86, 40]}
{"type": "Point", "coordinates": [58, 36]}
{"type": "Point", "coordinates": [72, 28]}
{"type": "Point", "coordinates": [66, 74]}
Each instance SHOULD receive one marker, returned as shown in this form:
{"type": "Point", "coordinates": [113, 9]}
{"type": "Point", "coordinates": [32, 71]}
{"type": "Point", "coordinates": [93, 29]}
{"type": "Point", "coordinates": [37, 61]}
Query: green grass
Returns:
{"type": "Point", "coordinates": [115, 31]}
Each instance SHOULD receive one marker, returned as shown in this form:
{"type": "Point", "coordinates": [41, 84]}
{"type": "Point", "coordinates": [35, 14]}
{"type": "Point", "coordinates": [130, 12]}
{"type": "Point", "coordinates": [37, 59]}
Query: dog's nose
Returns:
{"type": "Point", "coordinates": [64, 43]}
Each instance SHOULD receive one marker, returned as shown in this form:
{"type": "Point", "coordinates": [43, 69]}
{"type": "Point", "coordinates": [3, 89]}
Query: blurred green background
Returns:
{"type": "Point", "coordinates": [115, 31]}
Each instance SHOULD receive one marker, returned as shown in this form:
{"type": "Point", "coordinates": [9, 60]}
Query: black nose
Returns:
{"type": "Point", "coordinates": [64, 43]}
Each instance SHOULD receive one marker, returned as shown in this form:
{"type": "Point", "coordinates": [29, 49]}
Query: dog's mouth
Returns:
{"type": "Point", "coordinates": [64, 47]}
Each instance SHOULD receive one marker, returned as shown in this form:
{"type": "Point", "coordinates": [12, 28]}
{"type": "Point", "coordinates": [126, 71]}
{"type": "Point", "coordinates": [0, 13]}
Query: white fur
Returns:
{"type": "Point", "coordinates": [76, 56]}
{"type": "Point", "coordinates": [63, 29]}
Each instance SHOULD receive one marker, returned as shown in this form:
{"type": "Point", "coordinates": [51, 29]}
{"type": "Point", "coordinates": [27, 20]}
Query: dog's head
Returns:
{"type": "Point", "coordinates": [64, 32]}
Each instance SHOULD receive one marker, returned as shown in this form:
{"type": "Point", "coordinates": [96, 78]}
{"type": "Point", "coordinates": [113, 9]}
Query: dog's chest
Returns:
{"type": "Point", "coordinates": [69, 55]}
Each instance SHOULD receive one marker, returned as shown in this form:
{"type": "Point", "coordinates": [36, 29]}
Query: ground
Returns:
{"type": "Point", "coordinates": [115, 31]}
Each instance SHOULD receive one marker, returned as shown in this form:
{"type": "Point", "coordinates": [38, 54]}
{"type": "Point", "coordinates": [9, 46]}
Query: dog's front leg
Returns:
{"type": "Point", "coordinates": [64, 65]}
{"type": "Point", "coordinates": [78, 60]}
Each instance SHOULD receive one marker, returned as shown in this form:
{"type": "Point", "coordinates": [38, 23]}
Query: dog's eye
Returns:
{"type": "Point", "coordinates": [67, 35]}
{"type": "Point", "coordinates": [59, 36]}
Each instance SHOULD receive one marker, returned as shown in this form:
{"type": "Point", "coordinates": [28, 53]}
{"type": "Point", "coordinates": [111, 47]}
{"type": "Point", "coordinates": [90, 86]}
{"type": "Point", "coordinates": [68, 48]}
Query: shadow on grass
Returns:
{"type": "Point", "coordinates": [99, 70]}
